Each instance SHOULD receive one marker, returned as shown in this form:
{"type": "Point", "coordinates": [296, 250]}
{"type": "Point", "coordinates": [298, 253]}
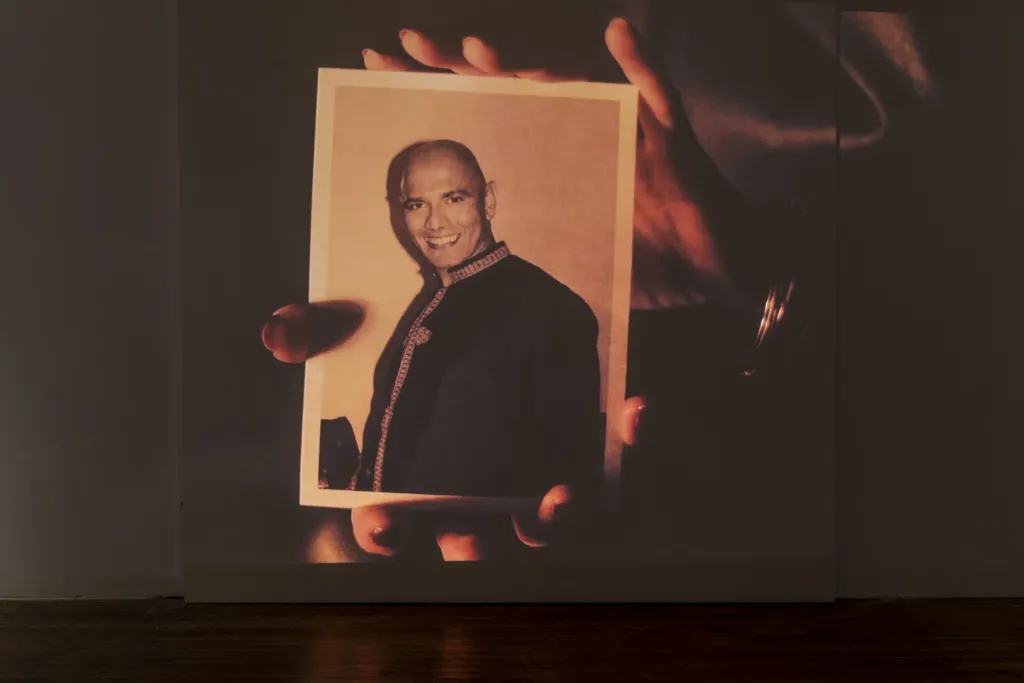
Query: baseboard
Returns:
{"type": "Point", "coordinates": [756, 580]}
{"type": "Point", "coordinates": [90, 588]}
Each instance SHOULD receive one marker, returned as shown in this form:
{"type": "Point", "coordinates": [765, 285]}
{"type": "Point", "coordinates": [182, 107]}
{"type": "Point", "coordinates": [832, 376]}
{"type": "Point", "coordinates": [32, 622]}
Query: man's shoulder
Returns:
{"type": "Point", "coordinates": [541, 289]}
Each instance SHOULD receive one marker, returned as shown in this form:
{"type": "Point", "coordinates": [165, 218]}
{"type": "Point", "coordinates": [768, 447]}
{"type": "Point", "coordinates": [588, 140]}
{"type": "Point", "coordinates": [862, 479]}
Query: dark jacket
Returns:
{"type": "Point", "coordinates": [498, 388]}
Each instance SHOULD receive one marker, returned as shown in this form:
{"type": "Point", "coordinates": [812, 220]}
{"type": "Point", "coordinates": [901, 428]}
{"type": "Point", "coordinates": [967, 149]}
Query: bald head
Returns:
{"type": "Point", "coordinates": [434, 151]}
{"type": "Point", "coordinates": [446, 201]}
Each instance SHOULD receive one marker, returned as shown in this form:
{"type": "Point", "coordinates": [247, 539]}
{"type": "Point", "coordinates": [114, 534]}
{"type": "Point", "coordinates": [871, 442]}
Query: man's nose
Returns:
{"type": "Point", "coordinates": [434, 221]}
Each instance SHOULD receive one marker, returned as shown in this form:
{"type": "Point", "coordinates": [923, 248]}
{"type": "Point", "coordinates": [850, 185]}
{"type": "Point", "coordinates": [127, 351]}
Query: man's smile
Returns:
{"type": "Point", "coordinates": [441, 241]}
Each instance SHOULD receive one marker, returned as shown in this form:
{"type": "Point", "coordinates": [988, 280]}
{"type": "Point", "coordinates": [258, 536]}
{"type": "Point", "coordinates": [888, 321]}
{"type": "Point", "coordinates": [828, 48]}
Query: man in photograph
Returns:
{"type": "Point", "coordinates": [490, 383]}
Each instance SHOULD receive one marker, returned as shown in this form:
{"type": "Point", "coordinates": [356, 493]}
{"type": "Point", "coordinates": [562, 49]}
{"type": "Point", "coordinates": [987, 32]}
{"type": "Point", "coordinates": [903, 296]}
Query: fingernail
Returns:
{"type": "Point", "coordinates": [404, 33]}
{"type": "Point", "coordinates": [367, 51]}
{"type": "Point", "coordinates": [385, 537]}
{"type": "Point", "coordinates": [628, 27]}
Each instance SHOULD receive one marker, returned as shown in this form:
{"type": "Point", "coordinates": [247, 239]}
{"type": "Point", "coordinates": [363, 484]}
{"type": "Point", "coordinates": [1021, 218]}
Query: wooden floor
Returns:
{"type": "Point", "coordinates": [168, 641]}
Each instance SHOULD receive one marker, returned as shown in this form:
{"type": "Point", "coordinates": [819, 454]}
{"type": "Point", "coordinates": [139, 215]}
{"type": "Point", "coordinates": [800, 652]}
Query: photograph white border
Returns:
{"type": "Point", "coordinates": [329, 80]}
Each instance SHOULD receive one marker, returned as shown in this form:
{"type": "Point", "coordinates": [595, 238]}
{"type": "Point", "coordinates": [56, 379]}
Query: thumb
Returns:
{"type": "Point", "coordinates": [297, 332]}
{"type": "Point", "coordinates": [537, 528]}
{"type": "Point", "coordinates": [380, 530]}
{"type": "Point", "coordinates": [286, 334]}
{"type": "Point", "coordinates": [641, 69]}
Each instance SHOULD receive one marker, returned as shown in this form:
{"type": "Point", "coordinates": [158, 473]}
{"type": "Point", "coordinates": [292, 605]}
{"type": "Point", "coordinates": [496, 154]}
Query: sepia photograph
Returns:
{"type": "Point", "coordinates": [474, 236]}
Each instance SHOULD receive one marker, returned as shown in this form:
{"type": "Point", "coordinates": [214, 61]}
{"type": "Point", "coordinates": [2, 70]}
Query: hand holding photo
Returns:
{"type": "Point", "coordinates": [482, 227]}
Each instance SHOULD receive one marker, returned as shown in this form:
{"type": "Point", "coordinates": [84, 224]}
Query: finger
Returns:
{"type": "Point", "coordinates": [331, 543]}
{"type": "Point", "coordinates": [539, 528]}
{"type": "Point", "coordinates": [286, 334]}
{"type": "Point", "coordinates": [427, 52]}
{"type": "Point", "coordinates": [469, 538]}
{"type": "Point", "coordinates": [482, 56]}
{"type": "Point", "coordinates": [460, 547]}
{"type": "Point", "coordinates": [379, 530]}
{"type": "Point", "coordinates": [375, 61]}
{"type": "Point", "coordinates": [325, 546]}
{"type": "Point", "coordinates": [297, 332]}
{"type": "Point", "coordinates": [630, 419]}
{"type": "Point", "coordinates": [626, 46]}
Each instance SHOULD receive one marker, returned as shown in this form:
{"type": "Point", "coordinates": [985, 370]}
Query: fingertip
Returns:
{"type": "Point", "coordinates": [618, 23]}
{"type": "Point", "coordinates": [527, 535]}
{"type": "Point", "coordinates": [285, 336]}
{"type": "Point", "coordinates": [275, 339]}
{"type": "Point", "coordinates": [540, 526]}
{"type": "Point", "coordinates": [326, 545]}
{"type": "Point", "coordinates": [617, 28]}
{"type": "Point", "coordinates": [621, 44]}
{"type": "Point", "coordinates": [290, 311]}
{"type": "Point", "coordinates": [372, 60]}
{"type": "Point", "coordinates": [458, 547]}
{"type": "Point", "coordinates": [480, 55]}
{"type": "Point", "coordinates": [270, 331]}
{"type": "Point", "coordinates": [419, 47]}
{"type": "Point", "coordinates": [553, 506]}
{"type": "Point", "coordinates": [377, 531]}
{"type": "Point", "coordinates": [632, 415]}
{"type": "Point", "coordinates": [472, 47]}
{"type": "Point", "coordinates": [407, 37]}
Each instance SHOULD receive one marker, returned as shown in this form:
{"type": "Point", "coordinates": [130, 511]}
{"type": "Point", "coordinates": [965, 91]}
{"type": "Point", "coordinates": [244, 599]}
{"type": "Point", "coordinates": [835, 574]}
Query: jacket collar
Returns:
{"type": "Point", "coordinates": [479, 263]}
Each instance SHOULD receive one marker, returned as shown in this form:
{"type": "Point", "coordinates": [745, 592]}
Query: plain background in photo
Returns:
{"type": "Point", "coordinates": [554, 164]}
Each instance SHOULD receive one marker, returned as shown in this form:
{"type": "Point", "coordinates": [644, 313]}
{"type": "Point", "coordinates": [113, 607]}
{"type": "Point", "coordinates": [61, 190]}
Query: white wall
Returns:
{"type": "Point", "coordinates": [931, 472]}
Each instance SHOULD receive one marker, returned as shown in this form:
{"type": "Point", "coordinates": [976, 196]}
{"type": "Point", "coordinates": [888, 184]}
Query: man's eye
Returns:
{"type": "Point", "coordinates": [412, 206]}
{"type": "Point", "coordinates": [456, 200]}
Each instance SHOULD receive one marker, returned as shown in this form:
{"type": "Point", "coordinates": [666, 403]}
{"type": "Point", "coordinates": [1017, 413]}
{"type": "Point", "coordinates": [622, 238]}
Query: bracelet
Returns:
{"type": "Point", "coordinates": [774, 308]}
{"type": "Point", "coordinates": [775, 305]}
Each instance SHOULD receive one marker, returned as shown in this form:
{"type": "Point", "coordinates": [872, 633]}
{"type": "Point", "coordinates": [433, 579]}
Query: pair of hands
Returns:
{"type": "Point", "coordinates": [671, 236]}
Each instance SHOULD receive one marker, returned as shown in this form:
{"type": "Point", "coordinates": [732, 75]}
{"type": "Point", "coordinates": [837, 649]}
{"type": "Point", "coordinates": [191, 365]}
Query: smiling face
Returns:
{"type": "Point", "coordinates": [448, 207]}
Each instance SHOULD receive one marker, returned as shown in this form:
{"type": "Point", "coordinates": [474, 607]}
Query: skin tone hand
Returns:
{"type": "Point", "coordinates": [381, 530]}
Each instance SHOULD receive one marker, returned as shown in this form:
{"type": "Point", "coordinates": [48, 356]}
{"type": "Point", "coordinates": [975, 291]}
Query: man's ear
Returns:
{"type": "Point", "coordinates": [490, 201]}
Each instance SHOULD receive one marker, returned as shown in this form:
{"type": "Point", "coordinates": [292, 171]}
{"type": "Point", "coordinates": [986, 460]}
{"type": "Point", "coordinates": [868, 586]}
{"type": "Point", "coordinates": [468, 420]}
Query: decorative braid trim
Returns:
{"type": "Point", "coordinates": [476, 266]}
{"type": "Point", "coordinates": [419, 335]}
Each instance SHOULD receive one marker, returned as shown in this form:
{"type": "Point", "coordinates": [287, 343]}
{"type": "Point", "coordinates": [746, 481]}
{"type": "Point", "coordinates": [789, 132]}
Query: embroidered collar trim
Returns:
{"type": "Point", "coordinates": [482, 262]}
